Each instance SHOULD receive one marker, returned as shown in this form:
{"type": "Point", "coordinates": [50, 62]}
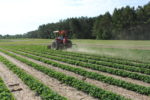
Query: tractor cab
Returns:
{"type": "Point", "coordinates": [61, 40]}
{"type": "Point", "coordinates": [61, 36]}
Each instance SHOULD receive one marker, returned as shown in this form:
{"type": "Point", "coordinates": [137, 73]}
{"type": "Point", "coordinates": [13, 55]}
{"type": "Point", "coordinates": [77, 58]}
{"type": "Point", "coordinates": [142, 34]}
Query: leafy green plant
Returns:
{"type": "Point", "coordinates": [71, 81]}
{"type": "Point", "coordinates": [130, 86]}
{"type": "Point", "coordinates": [103, 63]}
{"type": "Point", "coordinates": [120, 72]}
{"type": "Point", "coordinates": [45, 92]}
{"type": "Point", "coordinates": [5, 94]}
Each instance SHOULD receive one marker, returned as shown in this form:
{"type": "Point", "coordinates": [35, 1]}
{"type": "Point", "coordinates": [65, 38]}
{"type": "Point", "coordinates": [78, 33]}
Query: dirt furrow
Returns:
{"type": "Point", "coordinates": [16, 86]}
{"type": "Point", "coordinates": [111, 75]}
{"type": "Point", "coordinates": [103, 73]}
{"type": "Point", "coordinates": [62, 89]}
{"type": "Point", "coordinates": [115, 89]}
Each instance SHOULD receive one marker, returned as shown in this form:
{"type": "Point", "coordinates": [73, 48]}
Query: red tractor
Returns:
{"type": "Point", "coordinates": [61, 41]}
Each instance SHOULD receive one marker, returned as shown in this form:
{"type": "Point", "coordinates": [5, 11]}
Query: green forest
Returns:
{"type": "Point", "coordinates": [126, 23]}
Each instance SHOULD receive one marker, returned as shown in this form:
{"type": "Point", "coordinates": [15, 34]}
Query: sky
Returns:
{"type": "Point", "coordinates": [22, 16]}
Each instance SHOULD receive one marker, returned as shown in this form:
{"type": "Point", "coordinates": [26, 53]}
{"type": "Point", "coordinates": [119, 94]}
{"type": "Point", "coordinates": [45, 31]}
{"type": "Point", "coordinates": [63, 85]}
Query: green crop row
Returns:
{"type": "Point", "coordinates": [41, 89]}
{"type": "Point", "coordinates": [72, 81]}
{"type": "Point", "coordinates": [104, 63]}
{"type": "Point", "coordinates": [121, 61]}
{"type": "Point", "coordinates": [5, 94]}
{"type": "Point", "coordinates": [108, 64]}
{"type": "Point", "coordinates": [93, 57]}
{"type": "Point", "coordinates": [123, 73]}
{"type": "Point", "coordinates": [93, 75]}
{"type": "Point", "coordinates": [88, 56]}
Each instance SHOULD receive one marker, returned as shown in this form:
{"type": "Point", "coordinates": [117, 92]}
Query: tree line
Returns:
{"type": "Point", "coordinates": [124, 23]}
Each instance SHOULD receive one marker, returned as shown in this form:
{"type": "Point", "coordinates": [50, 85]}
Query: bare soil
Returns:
{"type": "Point", "coordinates": [107, 74]}
{"type": "Point", "coordinates": [18, 88]}
{"type": "Point", "coordinates": [62, 89]}
{"type": "Point", "coordinates": [103, 73]}
{"type": "Point", "coordinates": [115, 89]}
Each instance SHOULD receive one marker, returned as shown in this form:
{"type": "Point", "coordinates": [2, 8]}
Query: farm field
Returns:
{"type": "Point", "coordinates": [92, 70]}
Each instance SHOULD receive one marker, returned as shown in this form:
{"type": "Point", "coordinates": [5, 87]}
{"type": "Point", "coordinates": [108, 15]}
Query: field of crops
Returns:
{"type": "Point", "coordinates": [33, 72]}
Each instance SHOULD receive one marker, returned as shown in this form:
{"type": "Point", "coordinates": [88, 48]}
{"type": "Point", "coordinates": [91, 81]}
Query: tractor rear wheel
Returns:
{"type": "Point", "coordinates": [55, 45]}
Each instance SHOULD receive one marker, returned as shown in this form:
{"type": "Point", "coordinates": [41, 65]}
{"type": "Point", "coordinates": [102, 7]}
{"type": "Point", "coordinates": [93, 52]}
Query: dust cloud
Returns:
{"type": "Point", "coordinates": [121, 50]}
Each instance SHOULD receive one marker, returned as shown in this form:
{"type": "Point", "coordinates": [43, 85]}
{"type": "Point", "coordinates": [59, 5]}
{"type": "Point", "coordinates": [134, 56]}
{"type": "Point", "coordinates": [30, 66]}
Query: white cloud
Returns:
{"type": "Point", "coordinates": [20, 16]}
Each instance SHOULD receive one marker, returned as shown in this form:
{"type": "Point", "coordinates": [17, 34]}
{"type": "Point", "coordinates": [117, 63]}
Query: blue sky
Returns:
{"type": "Point", "coordinates": [21, 16]}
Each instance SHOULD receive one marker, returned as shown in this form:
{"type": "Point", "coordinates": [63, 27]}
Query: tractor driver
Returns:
{"type": "Point", "coordinates": [61, 34]}
{"type": "Point", "coordinates": [60, 37]}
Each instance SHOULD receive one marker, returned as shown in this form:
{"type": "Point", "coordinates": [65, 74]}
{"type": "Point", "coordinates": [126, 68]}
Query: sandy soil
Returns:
{"type": "Point", "coordinates": [115, 89]}
{"type": "Point", "coordinates": [62, 89]}
{"type": "Point", "coordinates": [10, 78]}
{"type": "Point", "coordinates": [111, 75]}
{"type": "Point", "coordinates": [103, 73]}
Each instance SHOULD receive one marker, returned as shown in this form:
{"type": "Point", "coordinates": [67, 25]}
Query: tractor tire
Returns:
{"type": "Point", "coordinates": [55, 45]}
